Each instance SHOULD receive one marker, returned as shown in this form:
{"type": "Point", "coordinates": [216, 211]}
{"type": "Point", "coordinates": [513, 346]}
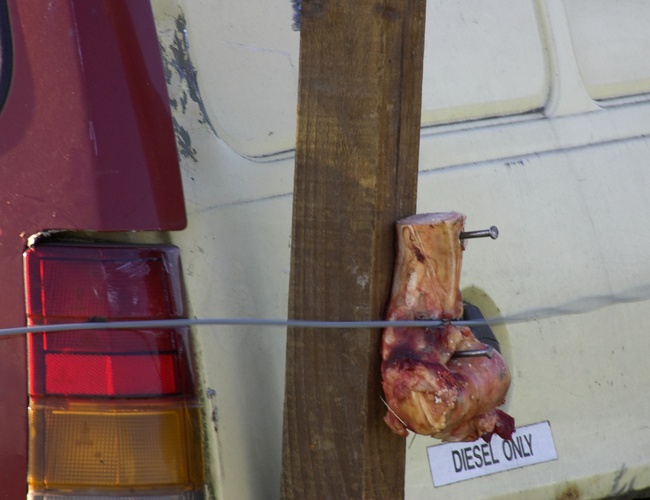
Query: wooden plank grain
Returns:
{"type": "Point", "coordinates": [356, 173]}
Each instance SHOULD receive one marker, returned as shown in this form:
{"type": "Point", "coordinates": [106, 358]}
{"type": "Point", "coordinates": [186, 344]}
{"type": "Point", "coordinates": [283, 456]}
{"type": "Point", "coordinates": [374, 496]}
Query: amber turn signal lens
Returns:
{"type": "Point", "coordinates": [139, 445]}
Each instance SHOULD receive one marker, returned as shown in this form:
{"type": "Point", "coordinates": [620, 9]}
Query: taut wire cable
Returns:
{"type": "Point", "coordinates": [578, 306]}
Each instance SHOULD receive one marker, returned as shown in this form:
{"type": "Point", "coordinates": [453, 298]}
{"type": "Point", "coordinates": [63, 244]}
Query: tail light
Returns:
{"type": "Point", "coordinates": [113, 413]}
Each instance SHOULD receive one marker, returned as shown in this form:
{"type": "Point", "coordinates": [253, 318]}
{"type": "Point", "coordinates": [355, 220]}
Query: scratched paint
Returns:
{"type": "Point", "coordinates": [181, 78]}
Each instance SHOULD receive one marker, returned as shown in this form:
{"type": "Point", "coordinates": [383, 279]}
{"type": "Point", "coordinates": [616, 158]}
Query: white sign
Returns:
{"type": "Point", "coordinates": [453, 462]}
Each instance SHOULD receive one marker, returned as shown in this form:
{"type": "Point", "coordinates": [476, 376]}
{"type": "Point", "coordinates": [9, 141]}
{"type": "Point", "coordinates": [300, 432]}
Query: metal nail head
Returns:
{"type": "Point", "coordinates": [493, 233]}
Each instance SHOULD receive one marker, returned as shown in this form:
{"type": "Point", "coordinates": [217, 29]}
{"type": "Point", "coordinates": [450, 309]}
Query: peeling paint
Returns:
{"type": "Point", "coordinates": [211, 395]}
{"type": "Point", "coordinates": [184, 141]}
{"type": "Point", "coordinates": [620, 487]}
{"type": "Point", "coordinates": [176, 58]}
{"type": "Point", "coordinates": [181, 77]}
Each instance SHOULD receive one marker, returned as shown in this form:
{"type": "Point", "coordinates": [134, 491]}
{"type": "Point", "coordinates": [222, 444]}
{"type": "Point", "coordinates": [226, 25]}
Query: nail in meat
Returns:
{"type": "Point", "coordinates": [427, 390]}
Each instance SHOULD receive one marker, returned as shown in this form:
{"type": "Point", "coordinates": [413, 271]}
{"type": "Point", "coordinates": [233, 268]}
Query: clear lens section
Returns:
{"type": "Point", "coordinates": [142, 445]}
{"type": "Point", "coordinates": [100, 282]}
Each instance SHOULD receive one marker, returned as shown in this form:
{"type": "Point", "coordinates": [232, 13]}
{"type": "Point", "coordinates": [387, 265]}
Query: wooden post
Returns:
{"type": "Point", "coordinates": [356, 174]}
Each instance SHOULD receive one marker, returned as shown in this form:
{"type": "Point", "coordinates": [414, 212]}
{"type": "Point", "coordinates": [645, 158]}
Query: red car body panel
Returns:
{"type": "Point", "coordinates": [86, 143]}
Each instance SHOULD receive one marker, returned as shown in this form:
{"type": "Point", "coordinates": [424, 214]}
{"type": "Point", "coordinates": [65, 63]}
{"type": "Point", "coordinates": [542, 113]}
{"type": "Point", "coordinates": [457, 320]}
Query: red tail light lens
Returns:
{"type": "Point", "coordinates": [110, 410]}
{"type": "Point", "coordinates": [93, 363]}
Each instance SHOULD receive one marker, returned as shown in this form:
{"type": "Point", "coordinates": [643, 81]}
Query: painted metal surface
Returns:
{"type": "Point", "coordinates": [86, 143]}
{"type": "Point", "coordinates": [566, 183]}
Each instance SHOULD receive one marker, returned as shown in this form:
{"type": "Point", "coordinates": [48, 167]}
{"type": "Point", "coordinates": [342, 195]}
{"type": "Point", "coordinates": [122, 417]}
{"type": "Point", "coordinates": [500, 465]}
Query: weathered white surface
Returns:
{"type": "Point", "coordinates": [567, 232]}
{"type": "Point", "coordinates": [568, 187]}
{"type": "Point", "coordinates": [611, 44]}
{"type": "Point", "coordinates": [235, 254]}
{"type": "Point", "coordinates": [482, 59]}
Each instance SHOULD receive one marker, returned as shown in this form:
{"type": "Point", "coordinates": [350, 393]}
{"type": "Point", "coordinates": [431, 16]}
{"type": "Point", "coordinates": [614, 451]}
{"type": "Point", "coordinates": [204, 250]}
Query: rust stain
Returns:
{"type": "Point", "coordinates": [571, 492]}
